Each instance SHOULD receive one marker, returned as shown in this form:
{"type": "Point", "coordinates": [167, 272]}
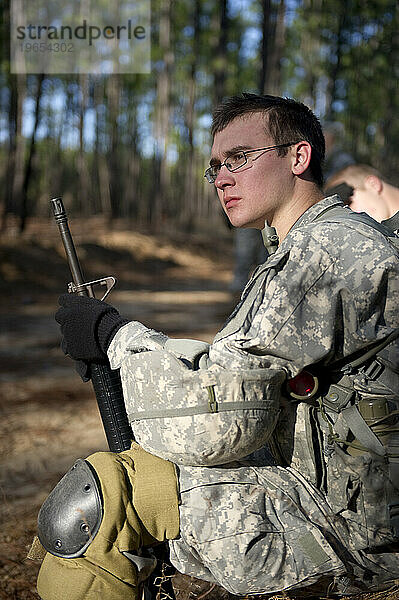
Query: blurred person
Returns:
{"type": "Point", "coordinates": [367, 190]}
{"type": "Point", "coordinates": [249, 251]}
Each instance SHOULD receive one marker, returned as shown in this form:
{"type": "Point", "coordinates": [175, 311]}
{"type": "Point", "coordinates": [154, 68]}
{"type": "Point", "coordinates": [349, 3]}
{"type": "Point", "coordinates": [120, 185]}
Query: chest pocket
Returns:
{"type": "Point", "coordinates": [359, 453]}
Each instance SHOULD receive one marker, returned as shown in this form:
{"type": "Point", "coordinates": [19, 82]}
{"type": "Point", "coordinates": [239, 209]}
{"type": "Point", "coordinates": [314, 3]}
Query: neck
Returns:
{"type": "Point", "coordinates": [391, 197]}
{"type": "Point", "coordinates": [289, 214]}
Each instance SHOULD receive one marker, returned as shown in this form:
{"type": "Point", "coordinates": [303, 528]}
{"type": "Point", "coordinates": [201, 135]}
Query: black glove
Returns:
{"type": "Point", "coordinates": [88, 326]}
{"type": "Point", "coordinates": [83, 369]}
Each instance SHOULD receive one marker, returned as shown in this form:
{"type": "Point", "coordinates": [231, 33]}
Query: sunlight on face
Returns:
{"type": "Point", "coordinates": [252, 194]}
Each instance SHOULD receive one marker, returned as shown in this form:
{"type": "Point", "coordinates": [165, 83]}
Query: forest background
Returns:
{"type": "Point", "coordinates": [127, 153]}
{"type": "Point", "coordinates": [135, 146]}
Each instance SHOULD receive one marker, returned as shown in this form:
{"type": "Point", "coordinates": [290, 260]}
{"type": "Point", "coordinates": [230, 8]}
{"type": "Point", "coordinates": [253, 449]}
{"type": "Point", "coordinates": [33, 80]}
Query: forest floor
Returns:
{"type": "Point", "coordinates": [48, 417]}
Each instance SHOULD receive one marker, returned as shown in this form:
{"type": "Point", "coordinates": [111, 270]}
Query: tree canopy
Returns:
{"type": "Point", "coordinates": [136, 145]}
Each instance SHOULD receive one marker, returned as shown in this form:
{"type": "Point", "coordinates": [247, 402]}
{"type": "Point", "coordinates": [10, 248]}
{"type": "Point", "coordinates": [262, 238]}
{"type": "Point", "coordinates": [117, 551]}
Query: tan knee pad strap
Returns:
{"type": "Point", "coordinates": [155, 495]}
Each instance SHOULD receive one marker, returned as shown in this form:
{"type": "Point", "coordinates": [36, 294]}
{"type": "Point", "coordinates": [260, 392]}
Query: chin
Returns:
{"type": "Point", "coordinates": [240, 223]}
{"type": "Point", "coordinates": [235, 222]}
{"type": "Point", "coordinates": [247, 225]}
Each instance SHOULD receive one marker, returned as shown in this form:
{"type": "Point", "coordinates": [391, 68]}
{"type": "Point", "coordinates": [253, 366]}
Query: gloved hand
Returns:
{"type": "Point", "coordinates": [83, 369]}
{"type": "Point", "coordinates": [88, 326]}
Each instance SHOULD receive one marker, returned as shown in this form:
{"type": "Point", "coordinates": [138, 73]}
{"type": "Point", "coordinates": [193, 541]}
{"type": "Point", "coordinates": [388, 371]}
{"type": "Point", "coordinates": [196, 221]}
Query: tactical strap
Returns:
{"type": "Point", "coordinates": [199, 409]}
{"type": "Point", "coordinates": [313, 549]}
{"type": "Point", "coordinates": [362, 431]}
{"type": "Point", "coordinates": [250, 293]}
{"type": "Point", "coordinates": [348, 366]}
{"type": "Point", "coordinates": [341, 214]}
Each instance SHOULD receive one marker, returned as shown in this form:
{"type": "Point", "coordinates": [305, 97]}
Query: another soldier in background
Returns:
{"type": "Point", "coordinates": [368, 192]}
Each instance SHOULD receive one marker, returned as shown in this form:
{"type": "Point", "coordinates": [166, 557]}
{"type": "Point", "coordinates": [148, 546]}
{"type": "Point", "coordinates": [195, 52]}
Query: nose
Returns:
{"type": "Point", "coordinates": [224, 178]}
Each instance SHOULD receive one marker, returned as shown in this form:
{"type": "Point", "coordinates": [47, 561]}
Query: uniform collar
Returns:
{"type": "Point", "coordinates": [269, 234]}
{"type": "Point", "coordinates": [392, 223]}
{"type": "Point", "coordinates": [312, 213]}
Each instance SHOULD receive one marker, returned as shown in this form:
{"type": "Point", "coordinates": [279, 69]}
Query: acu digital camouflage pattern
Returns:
{"type": "Point", "coordinates": [330, 290]}
{"type": "Point", "coordinates": [199, 417]}
{"type": "Point", "coordinates": [264, 529]}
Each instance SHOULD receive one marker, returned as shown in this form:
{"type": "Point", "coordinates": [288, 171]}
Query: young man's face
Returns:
{"type": "Point", "coordinates": [257, 190]}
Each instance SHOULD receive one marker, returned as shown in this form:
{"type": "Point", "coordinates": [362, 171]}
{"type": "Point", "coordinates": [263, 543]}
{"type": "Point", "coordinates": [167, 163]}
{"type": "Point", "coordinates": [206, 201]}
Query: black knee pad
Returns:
{"type": "Point", "coordinates": [71, 515]}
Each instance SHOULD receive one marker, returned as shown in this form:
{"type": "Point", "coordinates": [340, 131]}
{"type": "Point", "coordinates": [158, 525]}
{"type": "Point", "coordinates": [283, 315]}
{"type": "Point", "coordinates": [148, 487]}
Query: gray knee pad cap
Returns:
{"type": "Point", "coordinates": [71, 515]}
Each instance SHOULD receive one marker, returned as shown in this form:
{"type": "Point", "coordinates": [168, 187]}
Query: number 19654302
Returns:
{"type": "Point", "coordinates": [46, 47]}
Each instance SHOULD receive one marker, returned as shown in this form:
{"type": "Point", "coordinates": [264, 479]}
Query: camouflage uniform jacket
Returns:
{"type": "Point", "coordinates": [267, 524]}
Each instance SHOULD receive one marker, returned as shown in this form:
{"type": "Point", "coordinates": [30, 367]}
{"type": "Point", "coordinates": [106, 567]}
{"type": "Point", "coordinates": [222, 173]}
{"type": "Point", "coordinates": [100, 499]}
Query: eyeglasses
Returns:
{"type": "Point", "coordinates": [239, 159]}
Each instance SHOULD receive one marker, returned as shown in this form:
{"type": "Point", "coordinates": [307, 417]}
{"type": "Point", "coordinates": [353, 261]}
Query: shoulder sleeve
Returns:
{"type": "Point", "coordinates": [132, 338]}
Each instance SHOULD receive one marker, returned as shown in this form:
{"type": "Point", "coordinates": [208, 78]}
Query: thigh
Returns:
{"type": "Point", "coordinates": [253, 530]}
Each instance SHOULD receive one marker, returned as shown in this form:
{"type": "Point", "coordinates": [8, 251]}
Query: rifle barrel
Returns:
{"type": "Point", "coordinates": [106, 382]}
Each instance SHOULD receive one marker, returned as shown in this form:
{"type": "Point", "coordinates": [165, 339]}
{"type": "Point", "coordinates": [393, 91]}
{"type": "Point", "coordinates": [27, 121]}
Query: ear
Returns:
{"type": "Point", "coordinates": [373, 184]}
{"type": "Point", "coordinates": [301, 155]}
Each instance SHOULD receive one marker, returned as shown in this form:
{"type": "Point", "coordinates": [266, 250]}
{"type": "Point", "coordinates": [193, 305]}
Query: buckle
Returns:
{"type": "Point", "coordinates": [337, 397]}
{"type": "Point", "coordinates": [373, 370]}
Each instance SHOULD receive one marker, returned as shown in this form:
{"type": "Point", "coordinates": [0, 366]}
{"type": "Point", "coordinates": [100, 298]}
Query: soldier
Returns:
{"type": "Point", "coordinates": [370, 192]}
{"type": "Point", "coordinates": [269, 458]}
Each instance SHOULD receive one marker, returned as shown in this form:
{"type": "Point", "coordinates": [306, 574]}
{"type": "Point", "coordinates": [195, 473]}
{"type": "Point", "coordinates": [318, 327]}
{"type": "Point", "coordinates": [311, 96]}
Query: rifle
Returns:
{"type": "Point", "coordinates": [106, 382]}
